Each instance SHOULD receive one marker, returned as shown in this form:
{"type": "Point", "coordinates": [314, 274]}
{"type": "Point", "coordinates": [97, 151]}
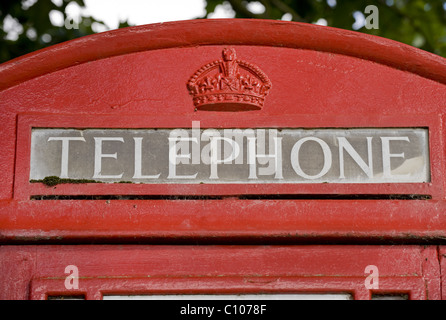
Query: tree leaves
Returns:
{"type": "Point", "coordinates": [37, 29]}
{"type": "Point", "coordinates": [420, 23]}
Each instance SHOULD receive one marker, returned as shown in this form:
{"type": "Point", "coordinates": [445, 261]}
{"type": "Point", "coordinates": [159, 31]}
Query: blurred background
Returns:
{"type": "Point", "coordinates": [29, 25]}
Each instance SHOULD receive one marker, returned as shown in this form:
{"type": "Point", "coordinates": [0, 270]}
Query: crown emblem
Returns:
{"type": "Point", "coordinates": [229, 85]}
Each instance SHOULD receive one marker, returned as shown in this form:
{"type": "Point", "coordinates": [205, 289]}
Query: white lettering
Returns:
{"type": "Point", "coordinates": [372, 20]}
{"type": "Point", "coordinates": [215, 154]}
{"type": "Point", "coordinates": [273, 159]}
{"type": "Point", "coordinates": [238, 136]}
{"type": "Point", "coordinates": [72, 281]}
{"type": "Point", "coordinates": [98, 156]}
{"type": "Point", "coordinates": [291, 155]}
{"type": "Point", "coordinates": [196, 154]}
{"type": "Point", "coordinates": [65, 153]}
{"type": "Point", "coordinates": [295, 158]}
{"type": "Point", "coordinates": [175, 158]}
{"type": "Point", "coordinates": [208, 135]}
{"type": "Point", "coordinates": [387, 170]}
{"type": "Point", "coordinates": [138, 161]}
{"type": "Point", "coordinates": [372, 281]}
{"type": "Point", "coordinates": [345, 145]}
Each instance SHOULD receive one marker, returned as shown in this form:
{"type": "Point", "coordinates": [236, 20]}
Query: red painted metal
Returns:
{"type": "Point", "coordinates": [442, 258]}
{"type": "Point", "coordinates": [353, 80]}
{"type": "Point", "coordinates": [136, 78]}
{"type": "Point", "coordinates": [122, 270]}
{"type": "Point", "coordinates": [223, 32]}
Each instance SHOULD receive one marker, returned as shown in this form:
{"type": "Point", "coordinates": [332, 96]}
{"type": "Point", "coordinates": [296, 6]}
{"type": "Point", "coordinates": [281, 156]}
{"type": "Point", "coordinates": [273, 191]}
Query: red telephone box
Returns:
{"type": "Point", "coordinates": [223, 158]}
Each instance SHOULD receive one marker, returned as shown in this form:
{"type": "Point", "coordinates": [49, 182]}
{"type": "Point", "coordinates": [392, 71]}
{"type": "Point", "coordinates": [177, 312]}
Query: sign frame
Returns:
{"type": "Point", "coordinates": [23, 189]}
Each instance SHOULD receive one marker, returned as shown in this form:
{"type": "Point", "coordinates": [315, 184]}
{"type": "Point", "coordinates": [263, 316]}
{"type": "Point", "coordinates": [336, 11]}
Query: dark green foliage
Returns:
{"type": "Point", "coordinates": [36, 19]}
{"type": "Point", "coordinates": [420, 23]}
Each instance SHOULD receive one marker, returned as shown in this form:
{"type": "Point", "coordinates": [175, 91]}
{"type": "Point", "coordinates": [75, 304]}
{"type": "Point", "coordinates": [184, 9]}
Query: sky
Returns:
{"type": "Point", "coordinates": [135, 12]}
{"type": "Point", "coordinates": [140, 12]}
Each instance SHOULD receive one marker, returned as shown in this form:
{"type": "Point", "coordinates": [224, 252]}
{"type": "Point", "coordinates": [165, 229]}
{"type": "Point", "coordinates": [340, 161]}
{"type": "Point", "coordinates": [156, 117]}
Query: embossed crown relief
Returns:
{"type": "Point", "coordinates": [229, 85]}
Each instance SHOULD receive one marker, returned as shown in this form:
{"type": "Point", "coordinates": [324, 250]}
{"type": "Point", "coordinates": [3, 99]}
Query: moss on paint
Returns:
{"type": "Point", "coordinates": [54, 181]}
